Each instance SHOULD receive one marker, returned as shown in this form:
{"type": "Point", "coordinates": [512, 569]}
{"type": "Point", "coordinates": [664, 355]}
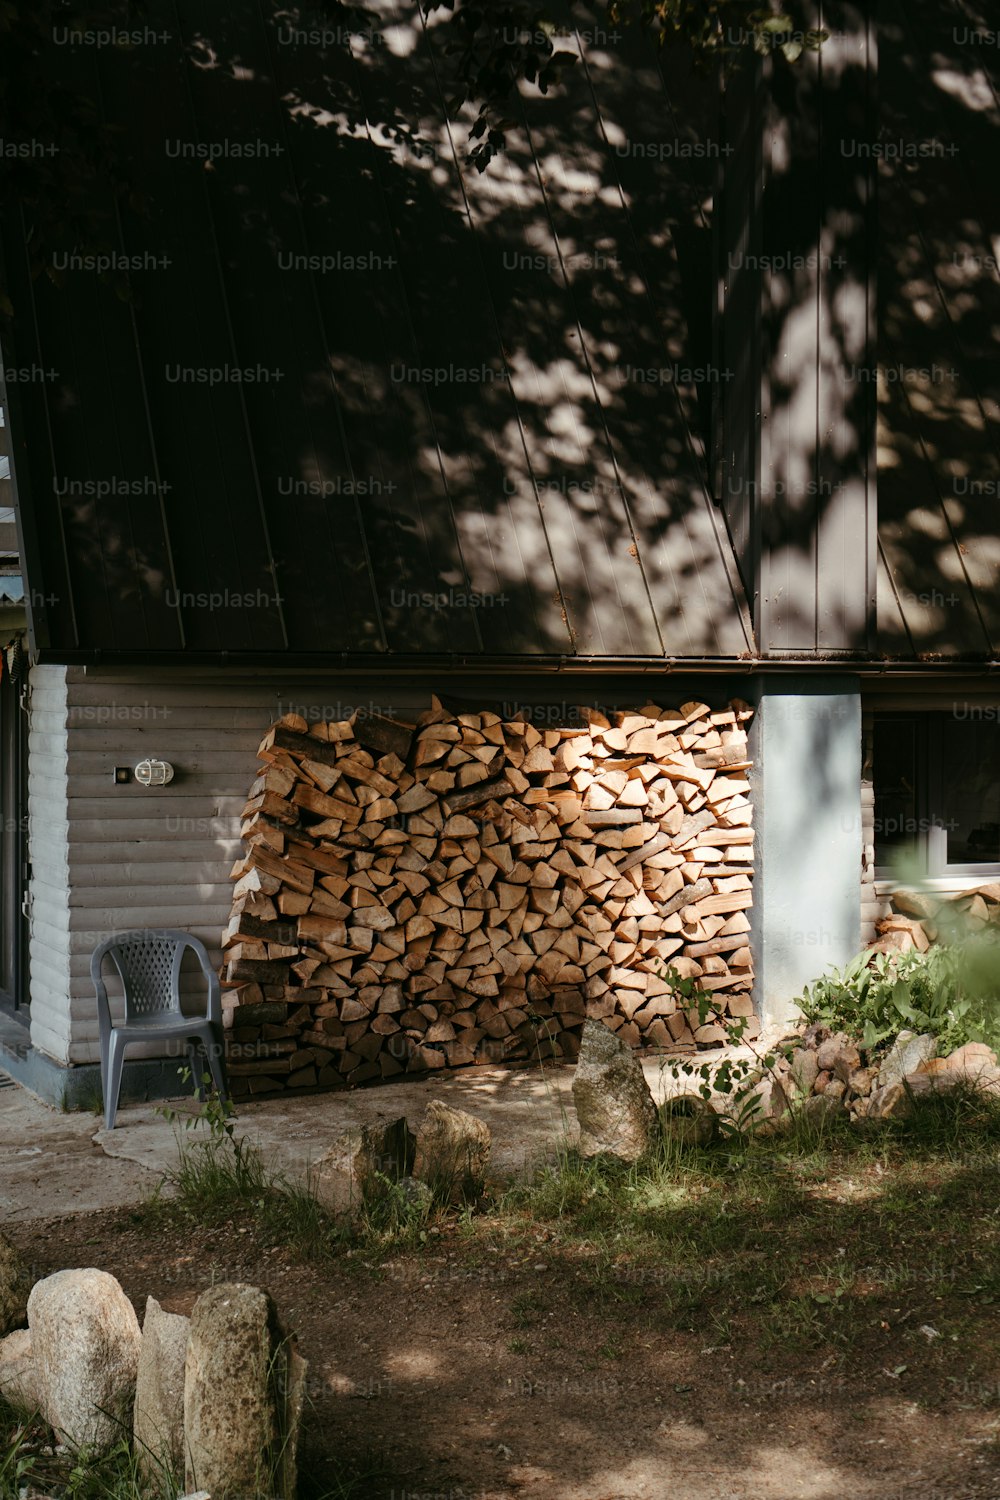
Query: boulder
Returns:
{"type": "Point", "coordinates": [612, 1099]}
{"type": "Point", "coordinates": [85, 1341]}
{"type": "Point", "coordinates": [452, 1152]}
{"type": "Point", "coordinates": [938, 1075]}
{"type": "Point", "coordinates": [18, 1376]}
{"type": "Point", "coordinates": [688, 1120]}
{"type": "Point", "coordinates": [158, 1417]}
{"type": "Point", "coordinates": [906, 1054]}
{"type": "Point", "coordinates": [15, 1284]}
{"type": "Point", "coordinates": [244, 1386]}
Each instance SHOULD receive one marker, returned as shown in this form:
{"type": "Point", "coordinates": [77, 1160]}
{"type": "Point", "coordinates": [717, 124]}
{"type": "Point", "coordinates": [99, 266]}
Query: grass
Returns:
{"type": "Point", "coordinates": [869, 1249]}
{"type": "Point", "coordinates": [32, 1462]}
{"type": "Point", "coordinates": [718, 1226]}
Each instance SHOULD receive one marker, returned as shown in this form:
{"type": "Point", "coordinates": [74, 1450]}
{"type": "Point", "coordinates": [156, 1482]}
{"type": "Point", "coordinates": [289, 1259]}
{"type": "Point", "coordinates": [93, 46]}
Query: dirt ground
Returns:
{"type": "Point", "coordinates": [468, 1371]}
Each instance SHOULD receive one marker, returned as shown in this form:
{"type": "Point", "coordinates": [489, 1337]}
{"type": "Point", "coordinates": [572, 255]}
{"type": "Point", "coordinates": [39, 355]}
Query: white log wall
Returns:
{"type": "Point", "coordinates": [105, 858]}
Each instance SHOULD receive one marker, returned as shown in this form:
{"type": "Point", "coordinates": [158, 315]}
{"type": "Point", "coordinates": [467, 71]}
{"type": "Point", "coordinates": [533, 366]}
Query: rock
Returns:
{"type": "Point", "coordinates": [906, 1054]}
{"type": "Point", "coordinates": [804, 1070]}
{"type": "Point", "coordinates": [835, 1089]}
{"type": "Point", "coordinates": [612, 1099]}
{"type": "Point", "coordinates": [819, 1108]}
{"type": "Point", "coordinates": [18, 1376]}
{"type": "Point", "coordinates": [830, 1049]}
{"type": "Point", "coordinates": [814, 1035]}
{"type": "Point", "coordinates": [158, 1417]}
{"type": "Point", "coordinates": [15, 1284]}
{"type": "Point", "coordinates": [452, 1152]}
{"type": "Point", "coordinates": [243, 1391]}
{"type": "Point", "coordinates": [846, 1062]}
{"type": "Point", "coordinates": [386, 1150]}
{"type": "Point", "coordinates": [85, 1340]}
{"type": "Point", "coordinates": [972, 1058]}
{"type": "Point", "coordinates": [860, 1081]}
{"type": "Point", "coordinates": [823, 1080]}
{"type": "Point", "coordinates": [689, 1120]}
{"type": "Point", "coordinates": [890, 1103]}
{"type": "Point", "coordinates": [938, 1076]}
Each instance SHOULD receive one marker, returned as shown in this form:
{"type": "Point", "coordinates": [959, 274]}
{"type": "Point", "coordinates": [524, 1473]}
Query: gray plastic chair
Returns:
{"type": "Point", "coordinates": [149, 965]}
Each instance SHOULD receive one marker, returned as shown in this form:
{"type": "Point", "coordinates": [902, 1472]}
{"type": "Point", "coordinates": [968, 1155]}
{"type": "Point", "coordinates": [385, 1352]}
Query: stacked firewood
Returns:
{"type": "Point", "coordinates": [470, 889]}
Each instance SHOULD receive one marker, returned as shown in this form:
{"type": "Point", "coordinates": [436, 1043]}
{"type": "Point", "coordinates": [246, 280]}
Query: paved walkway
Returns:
{"type": "Point", "coordinates": [52, 1163]}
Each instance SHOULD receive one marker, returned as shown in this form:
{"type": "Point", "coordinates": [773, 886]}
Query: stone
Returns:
{"type": "Point", "coordinates": [835, 1089]}
{"type": "Point", "coordinates": [85, 1340]}
{"type": "Point", "coordinates": [613, 1103]}
{"type": "Point", "coordinates": [452, 1152]}
{"type": "Point", "coordinates": [244, 1386]}
{"type": "Point", "coordinates": [860, 1081]}
{"type": "Point", "coordinates": [386, 1151]}
{"type": "Point", "coordinates": [938, 1076]}
{"type": "Point", "coordinates": [890, 1103]}
{"type": "Point", "coordinates": [830, 1049]}
{"type": "Point", "coordinates": [158, 1417]}
{"type": "Point", "coordinates": [15, 1284]}
{"type": "Point", "coordinates": [823, 1080]}
{"type": "Point", "coordinates": [906, 1054]}
{"type": "Point", "coordinates": [804, 1070]}
{"type": "Point", "coordinates": [972, 1058]}
{"type": "Point", "coordinates": [815, 1035]}
{"type": "Point", "coordinates": [18, 1376]}
{"type": "Point", "coordinates": [688, 1120]}
{"type": "Point", "coordinates": [846, 1062]}
{"type": "Point", "coordinates": [819, 1108]}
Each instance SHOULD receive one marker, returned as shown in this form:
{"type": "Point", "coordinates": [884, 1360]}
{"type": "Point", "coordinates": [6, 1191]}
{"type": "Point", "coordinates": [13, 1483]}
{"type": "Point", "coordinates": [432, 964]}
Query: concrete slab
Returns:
{"type": "Point", "coordinates": [55, 1163]}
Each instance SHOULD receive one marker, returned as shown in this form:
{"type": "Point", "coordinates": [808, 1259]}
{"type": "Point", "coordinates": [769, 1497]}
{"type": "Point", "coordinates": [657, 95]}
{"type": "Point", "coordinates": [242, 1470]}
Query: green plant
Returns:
{"type": "Point", "coordinates": [951, 991]}
{"type": "Point", "coordinates": [738, 1077]}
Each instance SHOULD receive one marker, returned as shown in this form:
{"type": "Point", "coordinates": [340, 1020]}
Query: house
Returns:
{"type": "Point", "coordinates": [692, 394]}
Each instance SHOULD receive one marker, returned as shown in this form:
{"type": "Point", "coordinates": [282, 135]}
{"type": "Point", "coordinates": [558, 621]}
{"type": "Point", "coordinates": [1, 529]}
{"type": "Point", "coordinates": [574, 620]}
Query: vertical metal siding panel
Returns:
{"type": "Point", "coordinates": [220, 550]}
{"type": "Point", "coordinates": [290, 422]}
{"type": "Point", "coordinates": [845, 538]}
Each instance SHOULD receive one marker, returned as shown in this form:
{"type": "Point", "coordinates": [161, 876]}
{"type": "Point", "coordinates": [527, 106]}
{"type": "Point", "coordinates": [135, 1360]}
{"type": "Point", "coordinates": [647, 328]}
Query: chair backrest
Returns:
{"type": "Point", "coordinates": [149, 964]}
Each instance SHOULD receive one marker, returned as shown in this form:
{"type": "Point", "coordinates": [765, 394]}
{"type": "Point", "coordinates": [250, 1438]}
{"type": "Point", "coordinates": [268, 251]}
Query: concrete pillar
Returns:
{"type": "Point", "coordinates": [806, 784]}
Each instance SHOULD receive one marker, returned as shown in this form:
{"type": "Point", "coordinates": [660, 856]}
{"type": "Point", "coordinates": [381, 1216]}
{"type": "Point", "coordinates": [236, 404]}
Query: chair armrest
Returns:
{"type": "Point", "coordinates": [214, 1010]}
{"type": "Point", "coordinates": [103, 1008]}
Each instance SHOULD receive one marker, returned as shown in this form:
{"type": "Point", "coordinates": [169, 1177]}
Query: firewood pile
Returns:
{"type": "Point", "coordinates": [911, 922]}
{"type": "Point", "coordinates": [470, 889]}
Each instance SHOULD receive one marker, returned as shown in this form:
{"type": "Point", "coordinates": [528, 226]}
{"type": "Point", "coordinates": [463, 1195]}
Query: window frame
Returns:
{"type": "Point", "coordinates": [932, 839]}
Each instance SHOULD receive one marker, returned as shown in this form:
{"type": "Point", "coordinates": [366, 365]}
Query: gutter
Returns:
{"type": "Point", "coordinates": [354, 662]}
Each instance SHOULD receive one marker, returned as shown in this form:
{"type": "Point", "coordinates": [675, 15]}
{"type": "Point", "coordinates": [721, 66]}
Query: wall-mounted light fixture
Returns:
{"type": "Point", "coordinates": [154, 772]}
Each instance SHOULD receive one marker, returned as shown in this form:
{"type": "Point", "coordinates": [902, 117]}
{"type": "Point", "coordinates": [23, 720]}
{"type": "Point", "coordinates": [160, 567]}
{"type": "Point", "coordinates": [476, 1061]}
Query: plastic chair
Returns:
{"type": "Point", "coordinates": [149, 965]}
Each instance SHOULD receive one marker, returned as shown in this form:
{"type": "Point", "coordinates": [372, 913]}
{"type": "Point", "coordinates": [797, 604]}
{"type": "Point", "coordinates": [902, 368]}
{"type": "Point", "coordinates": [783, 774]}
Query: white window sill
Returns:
{"type": "Point", "coordinates": [946, 885]}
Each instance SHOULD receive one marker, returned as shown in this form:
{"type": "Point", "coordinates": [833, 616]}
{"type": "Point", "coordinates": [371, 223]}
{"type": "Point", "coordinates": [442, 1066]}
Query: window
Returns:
{"type": "Point", "coordinates": [937, 787]}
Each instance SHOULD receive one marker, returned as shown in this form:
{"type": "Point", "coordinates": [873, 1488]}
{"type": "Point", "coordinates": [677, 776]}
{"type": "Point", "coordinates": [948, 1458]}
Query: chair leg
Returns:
{"type": "Point", "coordinates": [113, 1080]}
{"type": "Point", "coordinates": [214, 1050]}
{"type": "Point", "coordinates": [195, 1054]}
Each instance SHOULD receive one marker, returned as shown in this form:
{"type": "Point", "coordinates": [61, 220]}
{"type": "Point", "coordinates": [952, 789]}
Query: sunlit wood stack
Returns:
{"type": "Point", "coordinates": [470, 889]}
